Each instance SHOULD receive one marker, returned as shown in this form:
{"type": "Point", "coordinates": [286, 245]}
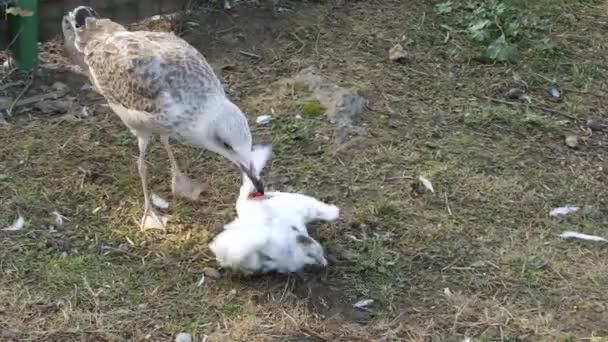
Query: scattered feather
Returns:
{"type": "Point", "coordinates": [159, 202]}
{"type": "Point", "coordinates": [59, 218]}
{"type": "Point", "coordinates": [354, 238]}
{"type": "Point", "coordinates": [87, 86]}
{"type": "Point", "coordinates": [17, 224]}
{"type": "Point", "coordinates": [571, 141]}
{"type": "Point", "coordinates": [263, 119]}
{"type": "Point", "coordinates": [554, 92]}
{"type": "Point", "coordinates": [563, 211]}
{"type": "Point", "coordinates": [581, 236]}
{"type": "Point", "coordinates": [183, 337]}
{"type": "Point", "coordinates": [427, 183]}
{"type": "Point", "coordinates": [201, 281]}
{"type": "Point", "coordinates": [84, 112]}
{"type": "Point", "coordinates": [447, 292]}
{"type": "Point", "coordinates": [96, 210]}
{"type": "Point", "coordinates": [363, 304]}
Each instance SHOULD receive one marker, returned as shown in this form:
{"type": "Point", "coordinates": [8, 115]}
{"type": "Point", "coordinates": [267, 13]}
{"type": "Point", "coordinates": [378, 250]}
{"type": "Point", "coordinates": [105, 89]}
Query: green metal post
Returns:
{"type": "Point", "coordinates": [24, 32]}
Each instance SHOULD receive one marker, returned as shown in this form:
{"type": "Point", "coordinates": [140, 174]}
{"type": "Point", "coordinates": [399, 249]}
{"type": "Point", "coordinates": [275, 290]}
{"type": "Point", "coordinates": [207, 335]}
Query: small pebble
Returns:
{"type": "Point", "coordinates": [594, 125]}
{"type": "Point", "coordinates": [183, 337]}
{"type": "Point", "coordinates": [572, 141]}
{"type": "Point", "coordinates": [514, 93]}
{"type": "Point", "coordinates": [211, 272]}
{"type": "Point", "coordinates": [554, 92]}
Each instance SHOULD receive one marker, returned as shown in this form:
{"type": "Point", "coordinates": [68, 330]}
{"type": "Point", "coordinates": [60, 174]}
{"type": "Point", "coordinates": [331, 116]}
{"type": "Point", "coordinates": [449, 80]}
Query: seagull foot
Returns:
{"type": "Point", "coordinates": [152, 220]}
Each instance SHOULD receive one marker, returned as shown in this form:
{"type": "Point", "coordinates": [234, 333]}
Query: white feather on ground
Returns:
{"type": "Point", "coordinates": [563, 211]}
{"type": "Point", "coordinates": [17, 224]}
{"type": "Point", "coordinates": [270, 233]}
{"type": "Point", "coordinates": [581, 236]}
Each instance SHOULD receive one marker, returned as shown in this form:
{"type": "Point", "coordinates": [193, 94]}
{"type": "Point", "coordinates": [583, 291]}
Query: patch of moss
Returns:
{"type": "Point", "coordinates": [311, 108]}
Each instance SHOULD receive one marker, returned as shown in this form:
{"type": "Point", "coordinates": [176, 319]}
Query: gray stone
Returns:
{"type": "Point", "coordinates": [342, 104]}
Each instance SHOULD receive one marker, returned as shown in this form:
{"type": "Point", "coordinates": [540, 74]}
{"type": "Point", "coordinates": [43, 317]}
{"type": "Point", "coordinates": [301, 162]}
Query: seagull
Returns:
{"type": "Point", "coordinates": [159, 85]}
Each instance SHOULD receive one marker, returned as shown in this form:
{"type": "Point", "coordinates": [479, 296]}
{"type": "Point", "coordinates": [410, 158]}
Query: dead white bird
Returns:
{"type": "Point", "coordinates": [270, 231]}
{"type": "Point", "coordinates": [158, 84]}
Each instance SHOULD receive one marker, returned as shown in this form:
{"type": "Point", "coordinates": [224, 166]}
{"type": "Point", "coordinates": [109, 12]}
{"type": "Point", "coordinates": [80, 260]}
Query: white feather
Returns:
{"type": "Point", "coordinates": [159, 202]}
{"type": "Point", "coordinates": [17, 224]}
{"type": "Point", "coordinates": [581, 236]}
{"type": "Point", "coordinates": [562, 211]}
{"type": "Point", "coordinates": [427, 183]}
{"type": "Point", "coordinates": [263, 119]}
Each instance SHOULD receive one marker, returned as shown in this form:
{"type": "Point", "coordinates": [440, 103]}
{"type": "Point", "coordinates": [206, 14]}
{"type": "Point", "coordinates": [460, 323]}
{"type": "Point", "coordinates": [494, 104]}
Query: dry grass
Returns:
{"type": "Point", "coordinates": [484, 234]}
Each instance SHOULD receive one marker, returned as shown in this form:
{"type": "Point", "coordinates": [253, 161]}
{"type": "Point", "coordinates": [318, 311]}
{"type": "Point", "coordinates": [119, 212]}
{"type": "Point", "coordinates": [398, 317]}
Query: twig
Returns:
{"type": "Point", "coordinates": [250, 54]}
{"type": "Point", "coordinates": [226, 30]}
{"type": "Point", "coordinates": [545, 109]}
{"type": "Point", "coordinates": [35, 98]}
{"type": "Point", "coordinates": [10, 72]}
{"type": "Point", "coordinates": [303, 44]}
{"type": "Point", "coordinates": [10, 84]}
{"type": "Point", "coordinates": [9, 112]}
{"type": "Point", "coordinates": [416, 71]}
{"type": "Point", "coordinates": [313, 334]}
{"type": "Point", "coordinates": [447, 203]}
{"type": "Point", "coordinates": [317, 42]}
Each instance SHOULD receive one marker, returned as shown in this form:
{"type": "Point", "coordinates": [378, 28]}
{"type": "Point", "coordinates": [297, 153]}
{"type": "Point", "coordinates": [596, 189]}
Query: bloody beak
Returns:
{"type": "Point", "coordinates": [257, 183]}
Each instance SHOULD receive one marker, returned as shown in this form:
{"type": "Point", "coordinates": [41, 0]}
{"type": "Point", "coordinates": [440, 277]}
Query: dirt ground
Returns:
{"type": "Point", "coordinates": [479, 257]}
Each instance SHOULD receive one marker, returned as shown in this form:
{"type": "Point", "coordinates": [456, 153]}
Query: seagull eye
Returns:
{"type": "Point", "coordinates": [223, 143]}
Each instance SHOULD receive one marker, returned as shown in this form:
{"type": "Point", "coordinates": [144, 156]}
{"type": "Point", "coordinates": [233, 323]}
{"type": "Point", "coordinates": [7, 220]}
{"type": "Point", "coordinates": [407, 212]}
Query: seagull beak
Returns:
{"type": "Point", "coordinates": [257, 183]}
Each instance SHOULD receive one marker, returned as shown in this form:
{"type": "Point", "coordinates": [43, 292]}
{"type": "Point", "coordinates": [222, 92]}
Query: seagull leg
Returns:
{"type": "Point", "coordinates": [142, 142]}
{"type": "Point", "coordinates": [181, 185]}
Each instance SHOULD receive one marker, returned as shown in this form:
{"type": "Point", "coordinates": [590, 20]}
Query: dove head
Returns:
{"type": "Point", "coordinates": [252, 186]}
{"type": "Point", "coordinates": [309, 251]}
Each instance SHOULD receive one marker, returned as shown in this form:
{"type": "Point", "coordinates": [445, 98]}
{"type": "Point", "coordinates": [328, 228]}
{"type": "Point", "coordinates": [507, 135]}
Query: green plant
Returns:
{"type": "Point", "coordinates": [311, 108]}
{"type": "Point", "coordinates": [498, 26]}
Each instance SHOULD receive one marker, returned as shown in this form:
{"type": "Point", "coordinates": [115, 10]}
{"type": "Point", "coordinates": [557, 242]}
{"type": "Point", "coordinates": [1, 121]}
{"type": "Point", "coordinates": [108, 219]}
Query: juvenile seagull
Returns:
{"type": "Point", "coordinates": [158, 84]}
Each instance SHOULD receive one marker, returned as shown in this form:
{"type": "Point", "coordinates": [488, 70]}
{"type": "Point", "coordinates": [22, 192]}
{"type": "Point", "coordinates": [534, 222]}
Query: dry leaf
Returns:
{"type": "Point", "coordinates": [398, 54]}
{"type": "Point", "coordinates": [427, 183]}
